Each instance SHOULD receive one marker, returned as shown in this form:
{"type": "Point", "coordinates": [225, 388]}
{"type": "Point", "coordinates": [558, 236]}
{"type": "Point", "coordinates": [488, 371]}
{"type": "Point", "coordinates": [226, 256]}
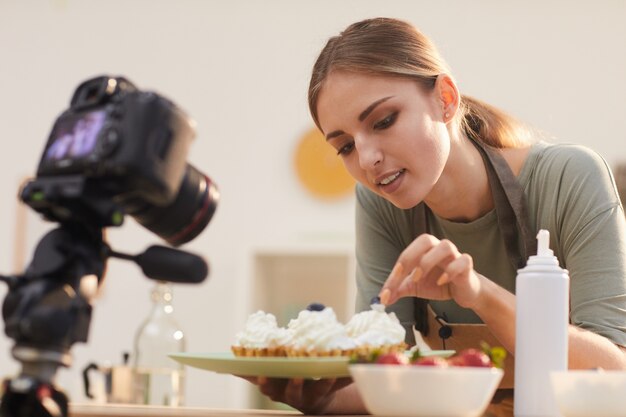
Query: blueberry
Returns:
{"type": "Point", "coordinates": [375, 300]}
{"type": "Point", "coordinates": [316, 307]}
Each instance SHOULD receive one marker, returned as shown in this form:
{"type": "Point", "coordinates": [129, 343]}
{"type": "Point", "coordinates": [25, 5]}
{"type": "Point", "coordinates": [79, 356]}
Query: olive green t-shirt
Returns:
{"type": "Point", "coordinates": [569, 191]}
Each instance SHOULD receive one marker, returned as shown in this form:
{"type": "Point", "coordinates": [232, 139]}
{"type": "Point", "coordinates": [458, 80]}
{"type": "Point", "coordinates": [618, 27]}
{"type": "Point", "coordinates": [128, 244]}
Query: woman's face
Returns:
{"type": "Point", "coordinates": [388, 131]}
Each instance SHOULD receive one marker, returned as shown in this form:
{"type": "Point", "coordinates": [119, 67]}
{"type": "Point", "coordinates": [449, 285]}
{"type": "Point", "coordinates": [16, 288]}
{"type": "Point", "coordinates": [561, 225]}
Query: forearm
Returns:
{"type": "Point", "coordinates": [590, 350]}
{"type": "Point", "coordinates": [496, 308]}
{"type": "Point", "coordinates": [346, 401]}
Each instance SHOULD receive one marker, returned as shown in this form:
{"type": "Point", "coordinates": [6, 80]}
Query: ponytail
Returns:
{"type": "Point", "coordinates": [490, 125]}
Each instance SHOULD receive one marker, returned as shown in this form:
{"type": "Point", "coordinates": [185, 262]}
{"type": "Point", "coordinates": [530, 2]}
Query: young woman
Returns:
{"type": "Point", "coordinates": [451, 193]}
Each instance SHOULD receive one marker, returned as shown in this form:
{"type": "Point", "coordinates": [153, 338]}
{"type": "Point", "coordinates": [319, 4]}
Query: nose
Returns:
{"type": "Point", "coordinates": [369, 153]}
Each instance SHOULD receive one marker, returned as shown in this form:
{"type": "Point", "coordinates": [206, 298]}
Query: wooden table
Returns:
{"type": "Point", "coordinates": [115, 410]}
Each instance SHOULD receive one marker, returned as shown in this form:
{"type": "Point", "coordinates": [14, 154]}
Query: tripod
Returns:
{"type": "Point", "coordinates": [48, 309]}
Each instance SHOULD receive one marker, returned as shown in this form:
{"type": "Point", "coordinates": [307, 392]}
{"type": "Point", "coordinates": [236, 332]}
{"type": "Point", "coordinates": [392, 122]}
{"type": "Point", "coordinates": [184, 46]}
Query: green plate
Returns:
{"type": "Point", "coordinates": [227, 363]}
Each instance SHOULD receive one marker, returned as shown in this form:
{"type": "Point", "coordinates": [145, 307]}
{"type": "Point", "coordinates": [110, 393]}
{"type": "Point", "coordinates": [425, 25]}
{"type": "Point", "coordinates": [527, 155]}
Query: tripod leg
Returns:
{"type": "Point", "coordinates": [26, 397]}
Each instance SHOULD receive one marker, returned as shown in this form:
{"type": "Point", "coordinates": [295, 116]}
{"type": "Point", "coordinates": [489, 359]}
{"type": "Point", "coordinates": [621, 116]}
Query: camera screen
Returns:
{"type": "Point", "coordinates": [75, 136]}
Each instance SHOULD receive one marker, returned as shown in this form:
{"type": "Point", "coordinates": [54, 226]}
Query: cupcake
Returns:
{"type": "Point", "coordinates": [261, 337]}
{"type": "Point", "coordinates": [316, 332]}
{"type": "Point", "coordinates": [375, 330]}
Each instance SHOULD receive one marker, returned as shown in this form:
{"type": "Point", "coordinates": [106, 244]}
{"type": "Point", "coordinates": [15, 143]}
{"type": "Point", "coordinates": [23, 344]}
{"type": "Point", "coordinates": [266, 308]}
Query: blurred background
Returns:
{"type": "Point", "coordinates": [241, 68]}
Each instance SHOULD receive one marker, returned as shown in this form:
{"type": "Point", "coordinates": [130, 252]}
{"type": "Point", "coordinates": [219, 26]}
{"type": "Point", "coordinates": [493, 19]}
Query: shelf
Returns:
{"type": "Point", "coordinates": [285, 283]}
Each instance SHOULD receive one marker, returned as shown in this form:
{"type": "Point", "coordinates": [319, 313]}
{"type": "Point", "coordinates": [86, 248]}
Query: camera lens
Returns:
{"type": "Point", "coordinates": [184, 218]}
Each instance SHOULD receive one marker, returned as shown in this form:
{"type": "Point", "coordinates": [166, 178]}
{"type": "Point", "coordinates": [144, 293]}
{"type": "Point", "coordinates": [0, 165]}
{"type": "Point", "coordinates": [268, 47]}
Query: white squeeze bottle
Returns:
{"type": "Point", "coordinates": [542, 305]}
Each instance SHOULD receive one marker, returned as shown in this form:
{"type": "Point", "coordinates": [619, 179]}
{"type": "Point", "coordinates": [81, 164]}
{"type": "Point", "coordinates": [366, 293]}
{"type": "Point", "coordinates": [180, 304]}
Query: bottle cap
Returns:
{"type": "Point", "coordinates": [544, 259]}
{"type": "Point", "coordinates": [543, 243]}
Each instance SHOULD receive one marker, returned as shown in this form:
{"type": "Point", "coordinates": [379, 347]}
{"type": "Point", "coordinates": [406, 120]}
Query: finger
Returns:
{"type": "Point", "coordinates": [411, 256]}
{"type": "Point", "coordinates": [274, 388]}
{"type": "Point", "coordinates": [409, 260]}
{"type": "Point", "coordinates": [341, 383]}
{"type": "Point", "coordinates": [460, 266]}
{"type": "Point", "coordinates": [317, 392]}
{"type": "Point", "coordinates": [443, 279]}
{"type": "Point", "coordinates": [437, 259]}
{"type": "Point", "coordinates": [456, 269]}
{"type": "Point", "coordinates": [408, 287]}
{"type": "Point", "coordinates": [318, 389]}
{"type": "Point", "coordinates": [293, 391]}
{"type": "Point", "coordinates": [393, 281]}
{"type": "Point", "coordinates": [417, 274]}
{"type": "Point", "coordinates": [445, 292]}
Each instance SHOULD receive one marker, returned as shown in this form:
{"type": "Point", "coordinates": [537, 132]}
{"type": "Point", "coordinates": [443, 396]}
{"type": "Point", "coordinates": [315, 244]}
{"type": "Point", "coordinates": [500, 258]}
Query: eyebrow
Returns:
{"type": "Point", "coordinates": [371, 108]}
{"type": "Point", "coordinates": [362, 116]}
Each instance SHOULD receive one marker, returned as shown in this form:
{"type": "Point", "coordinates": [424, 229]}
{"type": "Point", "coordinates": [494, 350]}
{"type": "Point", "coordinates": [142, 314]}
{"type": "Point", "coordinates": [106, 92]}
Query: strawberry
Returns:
{"type": "Point", "coordinates": [392, 359]}
{"type": "Point", "coordinates": [431, 361]}
{"type": "Point", "coordinates": [471, 357]}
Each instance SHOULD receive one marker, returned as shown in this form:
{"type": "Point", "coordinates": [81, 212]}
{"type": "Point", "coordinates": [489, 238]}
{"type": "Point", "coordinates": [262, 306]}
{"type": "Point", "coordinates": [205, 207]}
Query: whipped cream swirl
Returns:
{"type": "Point", "coordinates": [375, 327]}
{"type": "Point", "coordinates": [320, 331]}
{"type": "Point", "coordinates": [262, 331]}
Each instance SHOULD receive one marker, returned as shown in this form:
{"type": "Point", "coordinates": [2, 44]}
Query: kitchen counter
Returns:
{"type": "Point", "coordinates": [114, 410]}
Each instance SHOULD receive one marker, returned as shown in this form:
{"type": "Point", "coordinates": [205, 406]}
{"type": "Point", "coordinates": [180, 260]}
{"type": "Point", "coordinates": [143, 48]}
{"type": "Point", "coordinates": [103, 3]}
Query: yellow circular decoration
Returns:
{"type": "Point", "coordinates": [319, 168]}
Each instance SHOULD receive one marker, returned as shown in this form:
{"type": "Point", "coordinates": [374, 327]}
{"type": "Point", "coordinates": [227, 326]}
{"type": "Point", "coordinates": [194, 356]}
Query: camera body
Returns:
{"type": "Point", "coordinates": [114, 144]}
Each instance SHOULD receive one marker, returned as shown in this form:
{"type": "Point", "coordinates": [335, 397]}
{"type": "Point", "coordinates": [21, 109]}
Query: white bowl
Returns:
{"type": "Point", "coordinates": [409, 390]}
{"type": "Point", "coordinates": [594, 393]}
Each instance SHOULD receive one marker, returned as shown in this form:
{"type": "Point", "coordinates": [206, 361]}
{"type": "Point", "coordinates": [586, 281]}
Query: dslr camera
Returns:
{"type": "Point", "coordinates": [118, 150]}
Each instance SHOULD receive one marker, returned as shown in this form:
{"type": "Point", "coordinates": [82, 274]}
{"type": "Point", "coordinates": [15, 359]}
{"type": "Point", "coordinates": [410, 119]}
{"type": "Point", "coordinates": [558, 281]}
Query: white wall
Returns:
{"type": "Point", "coordinates": [241, 69]}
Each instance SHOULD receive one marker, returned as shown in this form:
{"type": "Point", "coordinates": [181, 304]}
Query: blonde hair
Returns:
{"type": "Point", "coordinates": [392, 47]}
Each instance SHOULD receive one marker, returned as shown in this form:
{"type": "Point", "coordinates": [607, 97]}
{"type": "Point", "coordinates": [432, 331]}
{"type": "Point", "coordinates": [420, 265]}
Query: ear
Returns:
{"type": "Point", "coordinates": [448, 95]}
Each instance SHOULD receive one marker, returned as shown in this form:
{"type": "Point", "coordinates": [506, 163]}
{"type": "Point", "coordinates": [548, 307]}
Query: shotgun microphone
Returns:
{"type": "Point", "coordinates": [162, 263]}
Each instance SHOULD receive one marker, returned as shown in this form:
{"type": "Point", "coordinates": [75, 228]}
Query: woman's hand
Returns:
{"type": "Point", "coordinates": [306, 395]}
{"type": "Point", "coordinates": [433, 269]}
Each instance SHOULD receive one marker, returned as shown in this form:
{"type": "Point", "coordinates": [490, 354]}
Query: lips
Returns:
{"type": "Point", "coordinates": [387, 179]}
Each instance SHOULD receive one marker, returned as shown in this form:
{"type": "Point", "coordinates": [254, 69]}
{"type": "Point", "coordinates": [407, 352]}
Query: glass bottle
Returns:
{"type": "Point", "coordinates": [158, 379]}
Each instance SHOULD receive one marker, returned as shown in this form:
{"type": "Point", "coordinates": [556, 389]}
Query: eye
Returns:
{"type": "Point", "coordinates": [345, 149]}
{"type": "Point", "coordinates": [386, 122]}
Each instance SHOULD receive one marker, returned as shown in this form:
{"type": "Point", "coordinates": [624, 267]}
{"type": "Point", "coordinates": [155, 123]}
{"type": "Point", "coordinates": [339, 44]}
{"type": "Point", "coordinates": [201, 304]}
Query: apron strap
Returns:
{"type": "Point", "coordinates": [510, 205]}
{"type": "Point", "coordinates": [421, 304]}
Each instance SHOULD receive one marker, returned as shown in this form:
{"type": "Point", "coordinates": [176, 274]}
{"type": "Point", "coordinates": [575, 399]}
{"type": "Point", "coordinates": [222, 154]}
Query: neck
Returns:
{"type": "Point", "coordinates": [462, 193]}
